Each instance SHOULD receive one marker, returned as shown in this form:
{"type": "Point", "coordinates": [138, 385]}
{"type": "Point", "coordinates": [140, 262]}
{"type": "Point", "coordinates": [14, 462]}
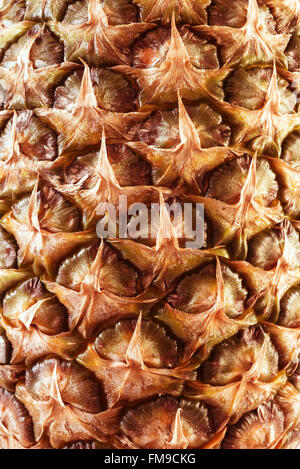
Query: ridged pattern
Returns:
{"type": "Point", "coordinates": [129, 343]}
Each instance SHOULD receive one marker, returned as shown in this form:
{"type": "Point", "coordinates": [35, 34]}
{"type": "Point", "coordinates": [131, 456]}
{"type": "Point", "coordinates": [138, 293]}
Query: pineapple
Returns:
{"type": "Point", "coordinates": [145, 343]}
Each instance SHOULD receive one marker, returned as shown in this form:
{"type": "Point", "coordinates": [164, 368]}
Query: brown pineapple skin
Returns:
{"type": "Point", "coordinates": [144, 344]}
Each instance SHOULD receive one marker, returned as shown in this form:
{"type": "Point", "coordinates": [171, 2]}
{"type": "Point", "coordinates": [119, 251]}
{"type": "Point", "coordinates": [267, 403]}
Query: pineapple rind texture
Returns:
{"type": "Point", "coordinates": [126, 343]}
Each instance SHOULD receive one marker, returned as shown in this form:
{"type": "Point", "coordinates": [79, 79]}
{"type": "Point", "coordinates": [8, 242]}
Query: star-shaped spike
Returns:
{"type": "Point", "coordinates": [28, 87]}
{"type": "Point", "coordinates": [96, 41]}
{"type": "Point", "coordinates": [207, 328]}
{"type": "Point", "coordinates": [95, 270]}
{"type": "Point", "coordinates": [19, 171]}
{"type": "Point", "coordinates": [38, 245]}
{"type": "Point", "coordinates": [269, 286]}
{"type": "Point", "coordinates": [15, 168]}
{"type": "Point", "coordinates": [241, 221]}
{"type": "Point", "coordinates": [55, 414]}
{"type": "Point", "coordinates": [256, 369]}
{"type": "Point", "coordinates": [166, 229]}
{"type": "Point", "coordinates": [133, 353]}
{"type": "Point", "coordinates": [160, 84]}
{"type": "Point", "coordinates": [265, 129]}
{"type": "Point", "coordinates": [188, 161]}
{"type": "Point", "coordinates": [30, 344]}
{"type": "Point", "coordinates": [83, 126]}
{"type": "Point", "coordinates": [26, 317]}
{"type": "Point", "coordinates": [102, 188]}
{"type": "Point", "coordinates": [179, 439]}
{"type": "Point", "coordinates": [245, 45]}
{"type": "Point", "coordinates": [54, 387]}
{"type": "Point", "coordinates": [28, 337]}
{"type": "Point", "coordinates": [252, 381]}
{"type": "Point", "coordinates": [166, 261]}
{"type": "Point", "coordinates": [93, 306]}
{"type": "Point", "coordinates": [229, 400]}
{"type": "Point", "coordinates": [185, 11]}
{"type": "Point", "coordinates": [133, 371]}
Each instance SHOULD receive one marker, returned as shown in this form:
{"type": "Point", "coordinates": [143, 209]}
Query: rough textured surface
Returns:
{"type": "Point", "coordinates": [146, 344]}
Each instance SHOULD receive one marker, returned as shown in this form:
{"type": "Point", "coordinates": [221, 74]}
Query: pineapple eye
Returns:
{"type": "Point", "coordinates": [154, 46]}
{"type": "Point", "coordinates": [209, 125]}
{"type": "Point", "coordinates": [118, 12]}
{"type": "Point", "coordinates": [16, 422]}
{"type": "Point", "coordinates": [121, 12]}
{"type": "Point", "coordinates": [8, 250]}
{"type": "Point", "coordinates": [161, 129]}
{"type": "Point", "coordinates": [257, 429]}
{"type": "Point", "coordinates": [265, 250]}
{"type": "Point", "coordinates": [115, 276]}
{"type": "Point", "coordinates": [227, 13]}
{"type": "Point", "coordinates": [74, 269]}
{"type": "Point", "coordinates": [235, 356]}
{"type": "Point", "coordinates": [227, 181]}
{"type": "Point", "coordinates": [56, 214]}
{"type": "Point", "coordinates": [148, 340]}
{"type": "Point", "coordinates": [26, 146]}
{"type": "Point", "coordinates": [291, 148]}
{"type": "Point", "coordinates": [157, 349]}
{"type": "Point", "coordinates": [50, 317]}
{"type": "Point", "coordinates": [35, 140]}
{"type": "Point", "coordinates": [76, 12]}
{"type": "Point", "coordinates": [234, 14]}
{"type": "Point", "coordinates": [76, 385]}
{"type": "Point", "coordinates": [128, 168]}
{"type": "Point", "coordinates": [290, 308]}
{"type": "Point", "coordinates": [112, 91]}
{"type": "Point", "coordinates": [248, 89]}
{"type": "Point", "coordinates": [10, 56]}
{"type": "Point", "coordinates": [150, 50]}
{"type": "Point", "coordinates": [267, 247]}
{"type": "Point", "coordinates": [197, 293]}
{"type": "Point", "coordinates": [152, 425]}
{"type": "Point", "coordinates": [78, 169]}
{"type": "Point", "coordinates": [45, 51]}
{"type": "Point", "coordinates": [30, 67]}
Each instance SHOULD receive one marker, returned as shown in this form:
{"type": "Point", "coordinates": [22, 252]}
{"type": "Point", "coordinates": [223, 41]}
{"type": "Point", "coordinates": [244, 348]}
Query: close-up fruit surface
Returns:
{"type": "Point", "coordinates": [124, 343]}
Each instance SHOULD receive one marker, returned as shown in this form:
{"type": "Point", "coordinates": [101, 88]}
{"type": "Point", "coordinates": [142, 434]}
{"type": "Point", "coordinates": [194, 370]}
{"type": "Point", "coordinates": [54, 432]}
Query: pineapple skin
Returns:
{"type": "Point", "coordinates": [125, 343]}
